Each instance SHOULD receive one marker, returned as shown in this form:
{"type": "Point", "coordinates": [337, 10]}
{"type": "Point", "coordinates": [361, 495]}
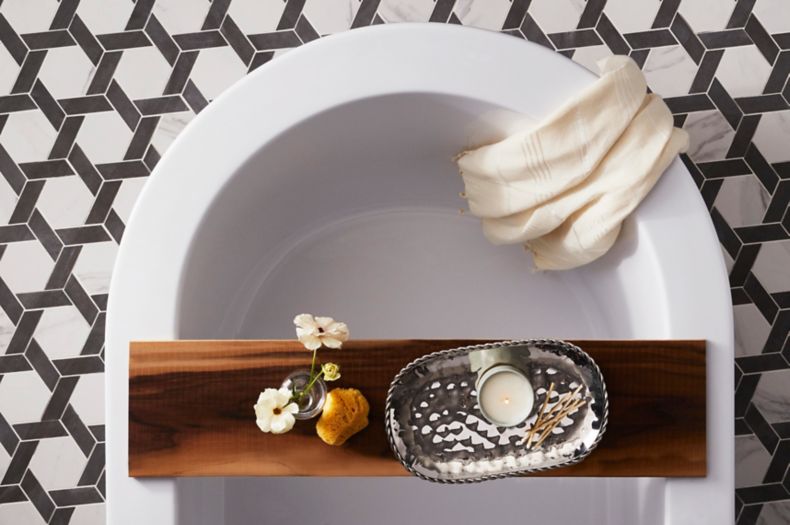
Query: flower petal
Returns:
{"type": "Point", "coordinates": [311, 342]}
{"type": "Point", "coordinates": [324, 322]}
{"type": "Point", "coordinates": [264, 424]}
{"type": "Point", "coordinates": [331, 342]}
{"type": "Point", "coordinates": [282, 423]}
{"type": "Point", "coordinates": [291, 408]}
{"type": "Point", "coordinates": [306, 321]}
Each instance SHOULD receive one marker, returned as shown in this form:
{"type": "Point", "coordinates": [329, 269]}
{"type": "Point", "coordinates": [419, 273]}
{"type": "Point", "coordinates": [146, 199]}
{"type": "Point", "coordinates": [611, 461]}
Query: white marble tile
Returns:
{"type": "Point", "coordinates": [10, 70]}
{"type": "Point", "coordinates": [710, 135]}
{"type": "Point", "coordinates": [7, 328]}
{"type": "Point", "coordinates": [170, 126]}
{"type": "Point", "coordinates": [88, 515]}
{"type": "Point", "coordinates": [94, 266]}
{"type": "Point", "coordinates": [669, 71]}
{"type": "Point", "coordinates": [23, 513]}
{"type": "Point", "coordinates": [775, 513]}
{"type": "Point", "coordinates": [772, 14]}
{"type": "Point", "coordinates": [216, 70]}
{"type": "Point", "coordinates": [61, 332]}
{"type": "Point", "coordinates": [5, 460]}
{"type": "Point", "coordinates": [26, 266]}
{"type": "Point", "coordinates": [88, 399]}
{"type": "Point", "coordinates": [772, 266]}
{"type": "Point", "coordinates": [65, 202]}
{"type": "Point", "coordinates": [485, 15]}
{"type": "Point", "coordinates": [181, 16]}
{"type": "Point", "coordinates": [27, 16]}
{"type": "Point", "coordinates": [743, 71]}
{"type": "Point", "coordinates": [28, 136]}
{"type": "Point", "coordinates": [556, 16]}
{"type": "Point", "coordinates": [742, 200]}
{"type": "Point", "coordinates": [706, 15]}
{"type": "Point", "coordinates": [23, 397]}
{"type": "Point", "coordinates": [105, 16]}
{"type": "Point", "coordinates": [142, 72]}
{"type": "Point", "coordinates": [751, 461]}
{"type": "Point", "coordinates": [589, 57]}
{"type": "Point", "coordinates": [127, 196]}
{"type": "Point", "coordinates": [773, 135]}
{"type": "Point", "coordinates": [406, 10]}
{"type": "Point", "coordinates": [629, 16]}
{"type": "Point", "coordinates": [66, 72]}
{"type": "Point", "coordinates": [8, 200]}
{"type": "Point", "coordinates": [751, 330]}
{"type": "Point", "coordinates": [772, 396]}
{"type": "Point", "coordinates": [259, 16]}
{"type": "Point", "coordinates": [104, 137]}
{"type": "Point", "coordinates": [330, 16]}
{"type": "Point", "coordinates": [728, 261]}
{"type": "Point", "coordinates": [58, 463]}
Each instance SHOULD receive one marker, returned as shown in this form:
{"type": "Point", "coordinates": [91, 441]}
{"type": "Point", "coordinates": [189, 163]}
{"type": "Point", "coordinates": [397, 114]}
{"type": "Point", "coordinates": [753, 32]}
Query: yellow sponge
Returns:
{"type": "Point", "coordinates": [345, 414]}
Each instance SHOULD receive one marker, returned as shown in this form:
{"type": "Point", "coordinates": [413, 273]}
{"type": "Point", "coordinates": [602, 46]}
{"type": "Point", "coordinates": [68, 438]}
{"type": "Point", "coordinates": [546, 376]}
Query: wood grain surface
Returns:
{"type": "Point", "coordinates": [190, 408]}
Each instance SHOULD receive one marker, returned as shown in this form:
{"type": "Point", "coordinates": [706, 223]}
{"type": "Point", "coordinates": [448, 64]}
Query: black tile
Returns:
{"type": "Point", "coordinates": [518, 9]}
{"type": "Point", "coordinates": [38, 496]}
{"type": "Point", "coordinates": [19, 462]}
{"type": "Point", "coordinates": [123, 170]}
{"type": "Point", "coordinates": [85, 169]}
{"type": "Point", "coordinates": [158, 105]}
{"type": "Point", "coordinates": [8, 437]}
{"type": "Point", "coordinates": [611, 36]}
{"type": "Point", "coordinates": [761, 363]}
{"type": "Point", "coordinates": [534, 33]}
{"type": "Point", "coordinates": [81, 300]}
{"type": "Point", "coordinates": [779, 74]}
{"type": "Point", "coordinates": [11, 494]}
{"type": "Point", "coordinates": [743, 136]}
{"type": "Point", "coordinates": [78, 496]}
{"type": "Point", "coordinates": [689, 103]}
{"type": "Point", "coordinates": [739, 297]}
{"type": "Point", "coordinates": [652, 38]}
{"type": "Point", "coordinates": [778, 466]}
{"type": "Point", "coordinates": [27, 75]}
{"type": "Point", "coordinates": [200, 40]}
{"type": "Point", "coordinates": [762, 300]}
{"type": "Point", "coordinates": [441, 12]}
{"type": "Point", "coordinates": [47, 104]}
{"type": "Point", "coordinates": [74, 366]}
{"type": "Point", "coordinates": [782, 429]}
{"type": "Point", "coordinates": [77, 429]}
{"type": "Point", "coordinates": [87, 104]}
{"type": "Point", "coordinates": [706, 70]}
{"type": "Point", "coordinates": [275, 40]}
{"type": "Point", "coordinates": [124, 40]}
{"type": "Point", "coordinates": [762, 494]}
{"type": "Point", "coordinates": [42, 365]}
{"type": "Point", "coordinates": [744, 393]}
{"type": "Point", "coordinates": [260, 59]}
{"type": "Point", "coordinates": [749, 514]}
{"type": "Point", "coordinates": [24, 331]}
{"type": "Point", "coordinates": [778, 334]}
{"type": "Point", "coordinates": [14, 233]}
{"type": "Point", "coordinates": [85, 39]}
{"type": "Point", "coordinates": [103, 203]}
{"type": "Point", "coordinates": [761, 233]}
{"type": "Point", "coordinates": [98, 432]}
{"type": "Point", "coordinates": [592, 12]}
{"type": "Point", "coordinates": [13, 363]}
{"type": "Point", "coordinates": [161, 40]}
{"type": "Point", "coordinates": [104, 72]}
{"type": "Point", "coordinates": [782, 299]}
{"type": "Point", "coordinates": [45, 299]}
{"type": "Point", "coordinates": [114, 226]}
{"type": "Point", "coordinates": [95, 341]}
{"type": "Point", "coordinates": [82, 235]}
{"type": "Point", "coordinates": [726, 38]}
{"type": "Point", "coordinates": [60, 398]}
{"type": "Point", "coordinates": [686, 37]}
{"type": "Point", "coordinates": [49, 39]}
{"type": "Point", "coordinates": [125, 107]}
{"type": "Point", "coordinates": [743, 264]}
{"type": "Point", "coordinates": [741, 13]}
{"type": "Point", "coordinates": [9, 302]}
{"type": "Point", "coordinates": [46, 169]}
{"type": "Point", "coordinates": [764, 432]}
{"type": "Point", "coordinates": [151, 155]}
{"type": "Point", "coordinates": [678, 120]}
{"type": "Point", "coordinates": [140, 14]}
{"type": "Point", "coordinates": [180, 74]}
{"type": "Point", "coordinates": [666, 12]}
{"type": "Point", "coordinates": [762, 103]}
{"type": "Point", "coordinates": [11, 103]}
{"type": "Point", "coordinates": [66, 136]}
{"type": "Point", "coordinates": [216, 13]}
{"type": "Point", "coordinates": [26, 202]}
{"type": "Point", "coordinates": [779, 202]}
{"type": "Point", "coordinates": [307, 32]}
{"type": "Point", "coordinates": [10, 171]}
{"type": "Point", "coordinates": [64, 14]}
{"type": "Point", "coordinates": [40, 430]}
{"type": "Point", "coordinates": [782, 39]}
{"type": "Point", "coordinates": [724, 168]}
{"type": "Point", "coordinates": [741, 428]}
{"type": "Point", "coordinates": [10, 39]}
{"type": "Point", "coordinates": [101, 484]}
{"type": "Point", "coordinates": [709, 190]}
{"type": "Point", "coordinates": [94, 467]}
{"type": "Point", "coordinates": [139, 143]}
{"type": "Point", "coordinates": [100, 300]}
{"type": "Point", "coordinates": [762, 39]}
{"type": "Point", "coordinates": [237, 40]}
{"type": "Point", "coordinates": [62, 516]}
{"type": "Point", "coordinates": [761, 168]}
{"type": "Point", "coordinates": [575, 39]}
{"type": "Point", "coordinates": [725, 103]}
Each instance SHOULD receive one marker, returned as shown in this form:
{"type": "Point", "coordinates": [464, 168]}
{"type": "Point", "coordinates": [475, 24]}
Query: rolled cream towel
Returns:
{"type": "Point", "coordinates": [563, 188]}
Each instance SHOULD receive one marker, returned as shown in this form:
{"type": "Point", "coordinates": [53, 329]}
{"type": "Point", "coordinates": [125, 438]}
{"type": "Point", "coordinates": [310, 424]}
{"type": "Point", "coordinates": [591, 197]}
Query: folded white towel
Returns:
{"type": "Point", "coordinates": [564, 187]}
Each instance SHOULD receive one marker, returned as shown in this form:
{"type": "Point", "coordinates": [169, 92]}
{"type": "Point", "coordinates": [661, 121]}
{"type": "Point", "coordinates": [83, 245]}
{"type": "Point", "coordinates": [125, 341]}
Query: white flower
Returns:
{"type": "Point", "coordinates": [274, 411]}
{"type": "Point", "coordinates": [314, 332]}
{"type": "Point", "coordinates": [331, 371]}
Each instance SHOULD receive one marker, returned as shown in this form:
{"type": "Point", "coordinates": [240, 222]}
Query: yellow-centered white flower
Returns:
{"type": "Point", "coordinates": [331, 371]}
{"type": "Point", "coordinates": [315, 332]}
{"type": "Point", "coordinates": [274, 411]}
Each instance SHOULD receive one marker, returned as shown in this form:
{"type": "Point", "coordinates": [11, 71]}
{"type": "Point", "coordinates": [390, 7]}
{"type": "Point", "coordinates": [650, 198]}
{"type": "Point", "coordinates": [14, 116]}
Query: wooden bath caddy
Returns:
{"type": "Point", "coordinates": [190, 409]}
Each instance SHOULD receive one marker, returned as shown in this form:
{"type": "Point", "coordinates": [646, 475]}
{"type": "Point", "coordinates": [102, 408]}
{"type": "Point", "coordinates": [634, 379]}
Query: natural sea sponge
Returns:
{"type": "Point", "coordinates": [345, 414]}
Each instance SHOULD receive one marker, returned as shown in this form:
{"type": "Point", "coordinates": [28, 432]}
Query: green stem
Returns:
{"type": "Point", "coordinates": [311, 383]}
{"type": "Point", "coordinates": [312, 365]}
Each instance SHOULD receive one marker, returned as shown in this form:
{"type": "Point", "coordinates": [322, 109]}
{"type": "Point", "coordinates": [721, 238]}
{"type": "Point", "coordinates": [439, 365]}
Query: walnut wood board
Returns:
{"type": "Point", "coordinates": [190, 409]}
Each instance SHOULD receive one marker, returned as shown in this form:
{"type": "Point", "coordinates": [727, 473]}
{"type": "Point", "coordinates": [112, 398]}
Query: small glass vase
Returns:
{"type": "Point", "coordinates": [312, 402]}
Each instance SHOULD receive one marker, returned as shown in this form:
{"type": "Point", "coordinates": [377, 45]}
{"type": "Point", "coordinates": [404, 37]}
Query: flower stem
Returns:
{"type": "Point", "coordinates": [312, 365]}
{"type": "Point", "coordinates": [312, 382]}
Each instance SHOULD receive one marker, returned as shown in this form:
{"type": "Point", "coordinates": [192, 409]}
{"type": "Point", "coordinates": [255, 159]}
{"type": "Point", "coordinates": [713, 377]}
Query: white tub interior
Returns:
{"type": "Point", "coordinates": [354, 213]}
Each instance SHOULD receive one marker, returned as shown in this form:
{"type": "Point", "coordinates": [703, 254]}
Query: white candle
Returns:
{"type": "Point", "coordinates": [505, 395]}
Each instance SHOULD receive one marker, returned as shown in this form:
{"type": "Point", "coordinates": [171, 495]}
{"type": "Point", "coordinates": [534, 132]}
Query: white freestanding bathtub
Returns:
{"type": "Point", "coordinates": [323, 182]}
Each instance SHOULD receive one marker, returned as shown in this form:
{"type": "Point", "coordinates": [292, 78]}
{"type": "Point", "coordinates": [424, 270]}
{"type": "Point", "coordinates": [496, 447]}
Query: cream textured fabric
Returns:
{"type": "Point", "coordinates": [563, 188]}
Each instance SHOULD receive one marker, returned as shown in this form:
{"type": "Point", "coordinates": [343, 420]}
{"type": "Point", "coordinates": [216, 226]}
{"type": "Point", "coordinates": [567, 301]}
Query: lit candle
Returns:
{"type": "Point", "coordinates": [504, 395]}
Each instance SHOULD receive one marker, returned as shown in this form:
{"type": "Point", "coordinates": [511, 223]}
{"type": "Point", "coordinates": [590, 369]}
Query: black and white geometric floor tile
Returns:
{"type": "Point", "coordinates": [92, 92]}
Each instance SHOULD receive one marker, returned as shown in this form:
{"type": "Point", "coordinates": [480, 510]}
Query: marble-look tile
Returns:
{"type": "Point", "coordinates": [10, 70]}
{"type": "Point", "coordinates": [773, 135]}
{"type": "Point", "coordinates": [751, 330]}
{"type": "Point", "coordinates": [728, 261]}
{"type": "Point", "coordinates": [94, 266]}
{"type": "Point", "coordinates": [61, 332]}
{"type": "Point", "coordinates": [105, 16]}
{"type": "Point", "coordinates": [22, 513]}
{"type": "Point", "coordinates": [88, 515]}
{"type": "Point", "coordinates": [142, 72]}
{"type": "Point", "coordinates": [5, 460]}
{"type": "Point", "coordinates": [406, 10]}
{"type": "Point", "coordinates": [181, 16]}
{"type": "Point", "coordinates": [772, 396]}
{"type": "Point", "coordinates": [629, 16]}
{"type": "Point", "coordinates": [104, 137]}
{"type": "Point", "coordinates": [26, 20]}
{"type": "Point", "coordinates": [742, 200]}
{"type": "Point", "coordinates": [669, 71]}
{"type": "Point", "coordinates": [216, 70]}
{"type": "Point", "coordinates": [170, 125]}
{"type": "Point", "coordinates": [127, 196]}
{"type": "Point", "coordinates": [8, 200]}
{"type": "Point", "coordinates": [26, 266]}
{"type": "Point", "coordinates": [772, 14]}
{"type": "Point", "coordinates": [65, 202]}
{"type": "Point", "coordinates": [23, 397]}
{"type": "Point", "coordinates": [743, 71]}
{"type": "Point", "coordinates": [589, 57]}
{"type": "Point", "coordinates": [88, 399]}
{"type": "Point", "coordinates": [556, 16]}
{"type": "Point", "coordinates": [7, 327]}
{"type": "Point", "coordinates": [775, 513]}
{"type": "Point", "coordinates": [28, 136]}
{"type": "Point", "coordinates": [710, 135]}
{"type": "Point", "coordinates": [485, 15]}
{"type": "Point", "coordinates": [706, 15]}
{"type": "Point", "coordinates": [751, 461]}
{"type": "Point", "coordinates": [66, 72]}
{"type": "Point", "coordinates": [772, 266]}
{"type": "Point", "coordinates": [262, 16]}
{"type": "Point", "coordinates": [57, 463]}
